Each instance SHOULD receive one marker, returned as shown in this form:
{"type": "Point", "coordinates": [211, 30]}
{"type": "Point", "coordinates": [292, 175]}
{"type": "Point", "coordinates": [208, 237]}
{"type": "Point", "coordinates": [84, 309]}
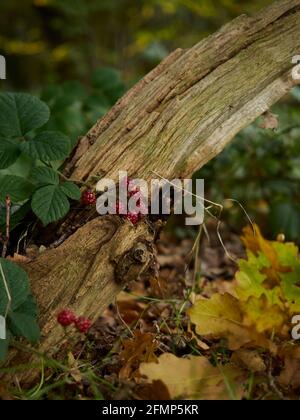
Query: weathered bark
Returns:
{"type": "Point", "coordinates": [172, 122]}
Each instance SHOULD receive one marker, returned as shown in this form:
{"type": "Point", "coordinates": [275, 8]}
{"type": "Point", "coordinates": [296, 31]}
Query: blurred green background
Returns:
{"type": "Point", "coordinates": [81, 56]}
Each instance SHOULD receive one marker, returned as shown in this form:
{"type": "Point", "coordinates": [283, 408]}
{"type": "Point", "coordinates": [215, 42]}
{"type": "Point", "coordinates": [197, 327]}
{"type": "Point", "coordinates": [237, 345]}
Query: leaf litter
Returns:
{"type": "Point", "coordinates": [206, 328]}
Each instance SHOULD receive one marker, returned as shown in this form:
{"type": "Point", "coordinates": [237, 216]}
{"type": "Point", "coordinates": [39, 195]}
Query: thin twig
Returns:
{"type": "Point", "coordinates": [272, 383]}
{"type": "Point", "coordinates": [122, 320]}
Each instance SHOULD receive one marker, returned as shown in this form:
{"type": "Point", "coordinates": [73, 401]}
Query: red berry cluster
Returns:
{"type": "Point", "coordinates": [88, 198]}
{"type": "Point", "coordinates": [66, 318]}
{"type": "Point", "coordinates": [83, 324]}
{"type": "Point", "coordinates": [133, 217]}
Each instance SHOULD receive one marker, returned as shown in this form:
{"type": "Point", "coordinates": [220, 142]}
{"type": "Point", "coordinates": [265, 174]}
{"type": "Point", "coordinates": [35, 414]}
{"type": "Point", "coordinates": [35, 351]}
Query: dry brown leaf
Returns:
{"type": "Point", "coordinates": [138, 349]}
{"type": "Point", "coordinates": [131, 310]}
{"type": "Point", "coordinates": [157, 390]}
{"type": "Point", "coordinates": [192, 336]}
{"type": "Point", "coordinates": [250, 359]}
{"type": "Point", "coordinates": [195, 378]}
{"type": "Point", "coordinates": [290, 375]}
{"type": "Point", "coordinates": [74, 370]}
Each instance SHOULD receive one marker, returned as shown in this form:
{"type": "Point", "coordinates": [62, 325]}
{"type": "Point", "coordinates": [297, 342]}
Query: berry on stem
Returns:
{"type": "Point", "coordinates": [83, 324]}
{"type": "Point", "coordinates": [66, 317]}
{"type": "Point", "coordinates": [132, 188]}
{"type": "Point", "coordinates": [133, 218]}
{"type": "Point", "coordinates": [88, 198]}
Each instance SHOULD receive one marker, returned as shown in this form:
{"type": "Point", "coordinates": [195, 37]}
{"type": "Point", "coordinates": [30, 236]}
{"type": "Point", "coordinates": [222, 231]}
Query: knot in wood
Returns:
{"type": "Point", "coordinates": [135, 262]}
{"type": "Point", "coordinates": [140, 253]}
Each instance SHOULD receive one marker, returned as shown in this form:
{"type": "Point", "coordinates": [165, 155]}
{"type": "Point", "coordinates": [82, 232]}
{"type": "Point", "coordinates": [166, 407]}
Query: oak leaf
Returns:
{"type": "Point", "coordinates": [195, 378]}
{"type": "Point", "coordinates": [221, 316]}
{"type": "Point", "coordinates": [140, 348]}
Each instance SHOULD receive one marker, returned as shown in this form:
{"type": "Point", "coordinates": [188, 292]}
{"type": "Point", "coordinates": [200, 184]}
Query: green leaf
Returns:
{"type": "Point", "coordinates": [21, 167]}
{"type": "Point", "coordinates": [44, 176]}
{"type": "Point", "coordinates": [16, 217]}
{"type": "Point", "coordinates": [108, 81]}
{"type": "Point", "coordinates": [272, 270]}
{"type": "Point", "coordinates": [71, 190]}
{"type": "Point", "coordinates": [251, 279]}
{"type": "Point", "coordinates": [296, 93]}
{"type": "Point", "coordinates": [285, 218]}
{"type": "Point", "coordinates": [19, 189]}
{"type": "Point", "coordinates": [48, 145]}
{"type": "Point", "coordinates": [50, 204]}
{"type": "Point", "coordinates": [4, 344]}
{"type": "Point", "coordinates": [288, 255]}
{"type": "Point", "coordinates": [18, 285]}
{"type": "Point", "coordinates": [29, 307]}
{"type": "Point", "coordinates": [74, 91]}
{"type": "Point", "coordinates": [21, 113]}
{"type": "Point", "coordinates": [106, 78]}
{"type": "Point", "coordinates": [9, 152]}
{"type": "Point", "coordinates": [24, 325]}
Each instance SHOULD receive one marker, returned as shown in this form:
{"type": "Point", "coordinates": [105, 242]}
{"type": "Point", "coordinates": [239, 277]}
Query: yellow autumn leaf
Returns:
{"type": "Point", "coordinates": [272, 269]}
{"type": "Point", "coordinates": [195, 378]}
{"type": "Point", "coordinates": [256, 243]}
{"type": "Point", "coordinates": [252, 280]}
{"type": "Point", "coordinates": [264, 316]}
{"type": "Point", "coordinates": [220, 316]}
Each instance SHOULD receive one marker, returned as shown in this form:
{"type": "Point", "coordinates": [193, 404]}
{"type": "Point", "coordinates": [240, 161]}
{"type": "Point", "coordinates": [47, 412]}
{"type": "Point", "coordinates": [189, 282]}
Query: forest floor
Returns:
{"type": "Point", "coordinates": [149, 325]}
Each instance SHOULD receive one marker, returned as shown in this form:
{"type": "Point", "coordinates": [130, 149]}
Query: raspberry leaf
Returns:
{"type": "Point", "coordinates": [21, 113]}
{"type": "Point", "coordinates": [48, 146]}
{"type": "Point", "coordinates": [18, 213]}
{"type": "Point", "coordinates": [23, 325]}
{"type": "Point", "coordinates": [44, 176]}
{"type": "Point", "coordinates": [50, 204]}
{"type": "Point", "coordinates": [29, 307]}
{"type": "Point", "coordinates": [9, 152]}
{"type": "Point", "coordinates": [4, 344]}
{"type": "Point", "coordinates": [17, 281]}
{"type": "Point", "coordinates": [19, 189]}
{"type": "Point", "coordinates": [71, 190]}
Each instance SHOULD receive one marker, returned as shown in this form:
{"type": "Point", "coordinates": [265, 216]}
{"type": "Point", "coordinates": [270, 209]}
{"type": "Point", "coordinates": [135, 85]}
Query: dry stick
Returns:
{"type": "Point", "coordinates": [5, 244]}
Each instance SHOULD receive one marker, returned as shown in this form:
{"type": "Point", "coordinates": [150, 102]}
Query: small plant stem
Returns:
{"type": "Point", "coordinates": [122, 320]}
{"type": "Point", "coordinates": [76, 181]}
{"type": "Point", "coordinates": [6, 241]}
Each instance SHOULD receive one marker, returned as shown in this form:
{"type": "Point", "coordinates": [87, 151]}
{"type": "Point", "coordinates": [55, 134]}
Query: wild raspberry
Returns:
{"type": "Point", "coordinates": [132, 188]}
{"type": "Point", "coordinates": [88, 198]}
{"type": "Point", "coordinates": [83, 324]}
{"type": "Point", "coordinates": [66, 318]}
{"type": "Point", "coordinates": [133, 218]}
{"type": "Point", "coordinates": [143, 209]}
{"type": "Point", "coordinates": [120, 208]}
